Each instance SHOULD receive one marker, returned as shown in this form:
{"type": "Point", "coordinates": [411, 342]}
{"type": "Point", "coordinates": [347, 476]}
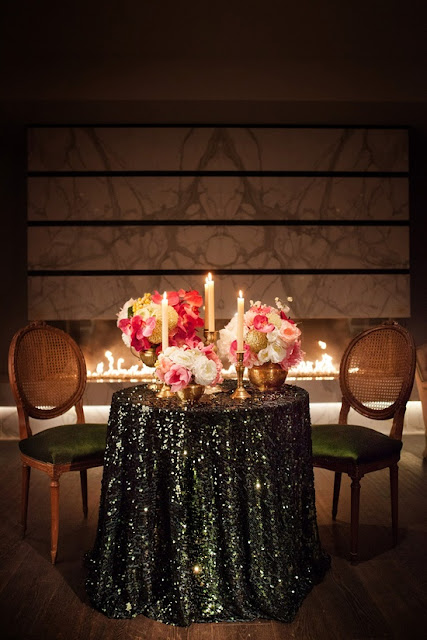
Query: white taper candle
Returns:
{"type": "Point", "coordinates": [240, 313]}
{"type": "Point", "coordinates": [165, 333]}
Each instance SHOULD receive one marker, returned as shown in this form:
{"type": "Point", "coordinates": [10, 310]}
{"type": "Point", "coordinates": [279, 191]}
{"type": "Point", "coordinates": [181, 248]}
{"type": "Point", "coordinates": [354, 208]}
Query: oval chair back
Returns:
{"type": "Point", "coordinates": [377, 374]}
{"type": "Point", "coordinates": [47, 372]}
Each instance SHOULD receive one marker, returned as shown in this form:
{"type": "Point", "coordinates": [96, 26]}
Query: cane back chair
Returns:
{"type": "Point", "coordinates": [421, 382]}
{"type": "Point", "coordinates": [376, 378]}
{"type": "Point", "coordinates": [47, 374]}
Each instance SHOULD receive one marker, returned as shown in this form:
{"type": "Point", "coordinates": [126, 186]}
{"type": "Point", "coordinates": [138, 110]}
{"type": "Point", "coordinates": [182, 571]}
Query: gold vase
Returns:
{"type": "Point", "coordinates": [149, 358]}
{"type": "Point", "coordinates": [267, 377]}
{"type": "Point", "coordinates": [190, 393]}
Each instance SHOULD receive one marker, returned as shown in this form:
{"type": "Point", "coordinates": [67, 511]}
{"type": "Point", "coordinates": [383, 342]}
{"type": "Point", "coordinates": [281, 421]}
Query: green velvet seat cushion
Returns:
{"type": "Point", "coordinates": [352, 442]}
{"type": "Point", "coordinates": [66, 443]}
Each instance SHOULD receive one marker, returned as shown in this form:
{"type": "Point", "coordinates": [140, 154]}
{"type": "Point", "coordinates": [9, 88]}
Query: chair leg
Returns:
{"type": "Point", "coordinates": [394, 482]}
{"type": "Point", "coordinates": [337, 486]}
{"type": "Point", "coordinates": [54, 509]}
{"type": "Point", "coordinates": [355, 500]}
{"type": "Point", "coordinates": [83, 483]}
{"type": "Point", "coordinates": [26, 473]}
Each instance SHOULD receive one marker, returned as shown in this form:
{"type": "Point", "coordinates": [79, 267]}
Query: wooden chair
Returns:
{"type": "Point", "coordinates": [421, 382]}
{"type": "Point", "coordinates": [47, 373]}
{"type": "Point", "coordinates": [376, 379]}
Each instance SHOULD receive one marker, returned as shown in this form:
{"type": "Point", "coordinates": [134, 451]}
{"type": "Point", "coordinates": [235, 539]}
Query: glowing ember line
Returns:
{"type": "Point", "coordinates": [323, 369]}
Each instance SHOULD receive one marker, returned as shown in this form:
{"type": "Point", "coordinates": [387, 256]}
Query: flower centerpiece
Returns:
{"type": "Point", "coordinates": [184, 367]}
{"type": "Point", "coordinates": [140, 320]}
{"type": "Point", "coordinates": [271, 343]}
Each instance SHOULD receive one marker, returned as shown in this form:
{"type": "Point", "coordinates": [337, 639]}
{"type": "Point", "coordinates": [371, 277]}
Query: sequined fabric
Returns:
{"type": "Point", "coordinates": [207, 512]}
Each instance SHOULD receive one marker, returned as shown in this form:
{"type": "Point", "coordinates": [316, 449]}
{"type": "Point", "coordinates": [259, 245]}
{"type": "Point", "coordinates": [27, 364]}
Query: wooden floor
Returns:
{"type": "Point", "coordinates": [384, 596]}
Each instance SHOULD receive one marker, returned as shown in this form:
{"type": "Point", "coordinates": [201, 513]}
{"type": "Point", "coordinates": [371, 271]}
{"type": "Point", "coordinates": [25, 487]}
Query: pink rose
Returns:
{"type": "Point", "coordinates": [289, 332]}
{"type": "Point", "coordinates": [177, 377]}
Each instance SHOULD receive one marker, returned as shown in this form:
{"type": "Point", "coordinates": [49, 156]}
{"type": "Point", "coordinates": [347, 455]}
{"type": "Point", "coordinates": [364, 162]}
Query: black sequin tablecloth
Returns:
{"type": "Point", "coordinates": [207, 512]}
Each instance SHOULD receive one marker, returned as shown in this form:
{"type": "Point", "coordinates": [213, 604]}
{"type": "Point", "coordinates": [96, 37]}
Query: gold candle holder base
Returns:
{"type": "Point", "coordinates": [210, 337]}
{"type": "Point", "coordinates": [165, 392]}
{"type": "Point", "coordinates": [240, 393]}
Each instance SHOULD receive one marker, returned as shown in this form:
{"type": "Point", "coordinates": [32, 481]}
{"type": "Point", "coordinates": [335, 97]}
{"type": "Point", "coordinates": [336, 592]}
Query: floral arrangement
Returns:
{"type": "Point", "coordinates": [140, 320]}
{"type": "Point", "coordinates": [181, 366]}
{"type": "Point", "coordinates": [269, 336]}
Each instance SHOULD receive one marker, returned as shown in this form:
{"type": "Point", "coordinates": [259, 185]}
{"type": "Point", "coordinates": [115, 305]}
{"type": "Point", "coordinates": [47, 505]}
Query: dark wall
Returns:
{"type": "Point", "coordinates": [336, 63]}
{"type": "Point", "coordinates": [15, 117]}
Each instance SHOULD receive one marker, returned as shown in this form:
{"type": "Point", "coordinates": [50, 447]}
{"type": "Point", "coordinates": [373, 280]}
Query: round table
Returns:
{"type": "Point", "coordinates": [207, 511]}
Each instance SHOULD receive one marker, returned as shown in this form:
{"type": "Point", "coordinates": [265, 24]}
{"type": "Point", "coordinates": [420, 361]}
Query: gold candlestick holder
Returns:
{"type": "Point", "coordinates": [240, 393]}
{"type": "Point", "coordinates": [210, 337]}
{"type": "Point", "coordinates": [165, 392]}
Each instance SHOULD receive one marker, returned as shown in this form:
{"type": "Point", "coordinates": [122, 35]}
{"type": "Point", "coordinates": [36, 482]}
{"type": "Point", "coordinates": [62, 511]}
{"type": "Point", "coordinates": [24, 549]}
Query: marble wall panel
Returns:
{"type": "Point", "coordinates": [196, 198]}
{"type": "Point", "coordinates": [216, 148]}
{"type": "Point", "coordinates": [218, 247]}
{"type": "Point", "coordinates": [212, 198]}
{"type": "Point", "coordinates": [314, 296]}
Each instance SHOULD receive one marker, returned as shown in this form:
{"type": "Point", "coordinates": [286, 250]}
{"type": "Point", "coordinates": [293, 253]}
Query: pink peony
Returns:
{"type": "Point", "coordinates": [293, 357]}
{"type": "Point", "coordinates": [177, 377]}
{"type": "Point", "coordinates": [163, 366]}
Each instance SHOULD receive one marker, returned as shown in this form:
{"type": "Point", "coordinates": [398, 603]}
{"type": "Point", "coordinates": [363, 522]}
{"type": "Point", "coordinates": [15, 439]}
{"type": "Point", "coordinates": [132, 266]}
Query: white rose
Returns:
{"type": "Point", "coordinates": [272, 336]}
{"type": "Point", "coordinates": [226, 337]}
{"type": "Point", "coordinates": [204, 371]}
{"type": "Point", "coordinates": [276, 351]}
{"type": "Point", "coordinates": [263, 355]}
{"type": "Point", "coordinates": [182, 357]}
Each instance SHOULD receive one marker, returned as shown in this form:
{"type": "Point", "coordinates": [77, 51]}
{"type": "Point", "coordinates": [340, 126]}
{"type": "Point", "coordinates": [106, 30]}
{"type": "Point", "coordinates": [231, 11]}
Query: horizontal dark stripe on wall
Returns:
{"type": "Point", "coordinates": [218, 223]}
{"type": "Point", "coordinates": [218, 174]}
{"type": "Point", "coordinates": [204, 125]}
{"type": "Point", "coordinates": [218, 272]}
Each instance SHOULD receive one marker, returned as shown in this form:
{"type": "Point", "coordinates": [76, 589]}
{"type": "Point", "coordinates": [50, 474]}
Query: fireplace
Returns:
{"type": "Point", "coordinates": [108, 359]}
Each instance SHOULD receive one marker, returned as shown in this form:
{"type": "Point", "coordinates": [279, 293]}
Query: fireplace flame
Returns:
{"type": "Point", "coordinates": [322, 369]}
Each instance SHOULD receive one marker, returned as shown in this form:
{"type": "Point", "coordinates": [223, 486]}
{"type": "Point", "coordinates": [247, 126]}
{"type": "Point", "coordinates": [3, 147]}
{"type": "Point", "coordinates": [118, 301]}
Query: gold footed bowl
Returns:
{"type": "Point", "coordinates": [190, 393]}
{"type": "Point", "coordinates": [267, 377]}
